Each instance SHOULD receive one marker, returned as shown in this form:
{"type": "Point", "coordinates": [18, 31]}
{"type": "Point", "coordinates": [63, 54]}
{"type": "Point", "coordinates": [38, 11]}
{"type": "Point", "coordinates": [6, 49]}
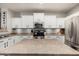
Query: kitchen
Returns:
{"type": "Point", "coordinates": [18, 19]}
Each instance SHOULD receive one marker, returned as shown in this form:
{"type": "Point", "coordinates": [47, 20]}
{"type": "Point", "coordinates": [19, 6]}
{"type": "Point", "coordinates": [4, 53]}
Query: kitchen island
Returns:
{"type": "Point", "coordinates": [39, 47]}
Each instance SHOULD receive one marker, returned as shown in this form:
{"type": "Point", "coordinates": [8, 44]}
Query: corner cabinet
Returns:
{"type": "Point", "coordinates": [9, 41]}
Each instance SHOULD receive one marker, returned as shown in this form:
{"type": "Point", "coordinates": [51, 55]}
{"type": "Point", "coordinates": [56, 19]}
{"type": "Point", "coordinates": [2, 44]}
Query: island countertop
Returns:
{"type": "Point", "coordinates": [39, 47]}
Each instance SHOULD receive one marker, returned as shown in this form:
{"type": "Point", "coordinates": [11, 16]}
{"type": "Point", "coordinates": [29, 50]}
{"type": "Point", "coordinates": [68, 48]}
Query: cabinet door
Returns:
{"type": "Point", "coordinates": [50, 21]}
{"type": "Point", "coordinates": [16, 39]}
{"type": "Point", "coordinates": [16, 23]}
{"type": "Point", "coordinates": [27, 21]}
{"type": "Point", "coordinates": [1, 44]}
{"type": "Point", "coordinates": [10, 41]}
{"type": "Point", "coordinates": [60, 22]}
{"type": "Point", "coordinates": [5, 44]}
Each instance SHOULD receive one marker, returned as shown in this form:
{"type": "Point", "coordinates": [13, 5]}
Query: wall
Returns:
{"type": "Point", "coordinates": [58, 15]}
{"type": "Point", "coordinates": [74, 10]}
{"type": "Point", "coordinates": [46, 13]}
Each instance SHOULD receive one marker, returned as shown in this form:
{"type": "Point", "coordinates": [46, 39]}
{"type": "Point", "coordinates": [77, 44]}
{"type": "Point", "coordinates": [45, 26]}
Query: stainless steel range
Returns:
{"type": "Point", "coordinates": [38, 31]}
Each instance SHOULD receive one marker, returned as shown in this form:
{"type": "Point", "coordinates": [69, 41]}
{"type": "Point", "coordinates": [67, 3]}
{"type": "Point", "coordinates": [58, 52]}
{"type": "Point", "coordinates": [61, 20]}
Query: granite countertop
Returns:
{"type": "Point", "coordinates": [32, 34]}
{"type": "Point", "coordinates": [54, 47]}
{"type": "Point", "coordinates": [6, 34]}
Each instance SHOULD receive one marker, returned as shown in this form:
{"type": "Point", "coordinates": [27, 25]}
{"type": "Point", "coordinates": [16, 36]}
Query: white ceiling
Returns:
{"type": "Point", "coordinates": [32, 7]}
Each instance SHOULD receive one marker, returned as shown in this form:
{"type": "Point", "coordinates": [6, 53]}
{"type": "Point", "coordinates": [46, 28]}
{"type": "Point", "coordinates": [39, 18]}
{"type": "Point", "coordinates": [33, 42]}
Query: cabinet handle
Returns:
{"type": "Point", "coordinates": [4, 45]}
{"type": "Point", "coordinates": [7, 44]}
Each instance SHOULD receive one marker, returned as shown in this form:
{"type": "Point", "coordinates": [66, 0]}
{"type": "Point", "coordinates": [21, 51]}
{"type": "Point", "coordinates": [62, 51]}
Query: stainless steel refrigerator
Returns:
{"type": "Point", "coordinates": [72, 32]}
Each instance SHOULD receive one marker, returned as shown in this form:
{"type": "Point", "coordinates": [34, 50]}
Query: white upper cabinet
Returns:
{"type": "Point", "coordinates": [16, 23]}
{"type": "Point", "coordinates": [27, 21]}
{"type": "Point", "coordinates": [60, 22]}
{"type": "Point", "coordinates": [50, 21]}
{"type": "Point", "coordinates": [38, 17]}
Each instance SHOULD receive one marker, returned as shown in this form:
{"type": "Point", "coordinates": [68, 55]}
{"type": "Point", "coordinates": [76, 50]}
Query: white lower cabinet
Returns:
{"type": "Point", "coordinates": [9, 41]}
{"type": "Point", "coordinates": [5, 43]}
{"type": "Point", "coordinates": [16, 39]}
{"type": "Point", "coordinates": [1, 44]}
{"type": "Point", "coordinates": [28, 37]}
{"type": "Point", "coordinates": [25, 37]}
{"type": "Point", "coordinates": [50, 37]}
{"type": "Point", "coordinates": [21, 38]}
{"type": "Point", "coordinates": [60, 38]}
